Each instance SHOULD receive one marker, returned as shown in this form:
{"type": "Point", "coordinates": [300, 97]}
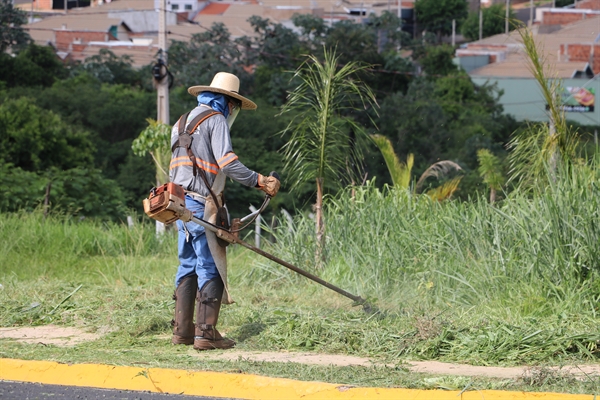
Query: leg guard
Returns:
{"type": "Point", "coordinates": [208, 303]}
{"type": "Point", "coordinates": [183, 323]}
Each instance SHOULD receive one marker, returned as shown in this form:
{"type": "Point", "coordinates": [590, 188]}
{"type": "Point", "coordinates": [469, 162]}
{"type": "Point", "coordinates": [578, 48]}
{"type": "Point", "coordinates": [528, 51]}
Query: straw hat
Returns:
{"type": "Point", "coordinates": [227, 84]}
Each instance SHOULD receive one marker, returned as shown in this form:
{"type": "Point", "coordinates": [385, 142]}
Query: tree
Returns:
{"type": "Point", "coordinates": [313, 31]}
{"type": "Point", "coordinates": [12, 35]}
{"type": "Point", "coordinates": [437, 15]}
{"type": "Point", "coordinates": [34, 66]}
{"type": "Point", "coordinates": [277, 51]}
{"type": "Point", "coordinates": [324, 144]}
{"type": "Point", "coordinates": [155, 140]}
{"type": "Point", "coordinates": [108, 68]}
{"type": "Point", "coordinates": [416, 123]}
{"type": "Point", "coordinates": [374, 43]}
{"type": "Point", "coordinates": [437, 60]}
{"type": "Point", "coordinates": [390, 36]}
{"type": "Point", "coordinates": [113, 114]}
{"type": "Point", "coordinates": [195, 61]}
{"type": "Point", "coordinates": [490, 170]}
{"type": "Point", "coordinates": [36, 140]}
{"type": "Point", "coordinates": [493, 22]}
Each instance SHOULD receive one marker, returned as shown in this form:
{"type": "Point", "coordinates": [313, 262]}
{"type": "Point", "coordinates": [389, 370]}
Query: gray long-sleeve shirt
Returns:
{"type": "Point", "coordinates": [211, 145]}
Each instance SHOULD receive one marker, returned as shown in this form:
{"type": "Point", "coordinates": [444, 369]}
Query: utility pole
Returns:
{"type": "Point", "coordinates": [454, 32]}
{"type": "Point", "coordinates": [480, 24]}
{"type": "Point", "coordinates": [161, 77]}
{"type": "Point", "coordinates": [530, 14]}
{"type": "Point", "coordinates": [163, 83]}
{"type": "Point", "coordinates": [507, 16]}
{"type": "Point", "coordinates": [400, 18]}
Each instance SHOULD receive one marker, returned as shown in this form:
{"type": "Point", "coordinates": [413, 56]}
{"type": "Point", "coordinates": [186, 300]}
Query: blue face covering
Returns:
{"type": "Point", "coordinates": [216, 101]}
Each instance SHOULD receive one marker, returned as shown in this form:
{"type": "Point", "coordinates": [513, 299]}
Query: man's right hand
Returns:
{"type": "Point", "coordinates": [268, 184]}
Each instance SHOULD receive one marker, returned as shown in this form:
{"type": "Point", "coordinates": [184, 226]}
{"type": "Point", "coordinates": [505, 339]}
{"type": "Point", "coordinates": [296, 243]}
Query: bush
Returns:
{"type": "Point", "coordinates": [76, 191]}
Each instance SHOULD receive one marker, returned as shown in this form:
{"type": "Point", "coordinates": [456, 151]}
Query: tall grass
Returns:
{"type": "Point", "coordinates": [508, 282]}
{"type": "Point", "coordinates": [523, 252]}
{"type": "Point", "coordinates": [68, 239]}
{"type": "Point", "coordinates": [66, 270]}
{"type": "Point", "coordinates": [512, 283]}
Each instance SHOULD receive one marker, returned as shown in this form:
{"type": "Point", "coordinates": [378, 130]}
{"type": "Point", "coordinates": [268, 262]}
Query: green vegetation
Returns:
{"type": "Point", "coordinates": [510, 281]}
{"type": "Point", "coordinates": [510, 284]}
{"type": "Point", "coordinates": [109, 102]}
{"type": "Point", "coordinates": [326, 144]}
{"type": "Point", "coordinates": [493, 22]}
{"type": "Point", "coordinates": [437, 15]}
{"type": "Point", "coordinates": [12, 35]}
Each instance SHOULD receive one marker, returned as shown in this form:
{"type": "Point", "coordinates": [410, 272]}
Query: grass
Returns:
{"type": "Point", "coordinates": [511, 284]}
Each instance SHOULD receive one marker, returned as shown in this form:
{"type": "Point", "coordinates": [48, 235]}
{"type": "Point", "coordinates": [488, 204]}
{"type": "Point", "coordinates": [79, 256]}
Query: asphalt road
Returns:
{"type": "Point", "coordinates": [32, 391]}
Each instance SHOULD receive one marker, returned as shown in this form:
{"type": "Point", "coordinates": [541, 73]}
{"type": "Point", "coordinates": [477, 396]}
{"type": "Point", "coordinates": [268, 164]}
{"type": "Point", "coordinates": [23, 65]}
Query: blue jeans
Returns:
{"type": "Point", "coordinates": [194, 255]}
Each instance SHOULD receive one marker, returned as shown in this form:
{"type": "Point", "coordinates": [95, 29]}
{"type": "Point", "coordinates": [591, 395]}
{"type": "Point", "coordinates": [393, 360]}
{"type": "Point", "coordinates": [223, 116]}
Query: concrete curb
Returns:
{"type": "Point", "coordinates": [242, 386]}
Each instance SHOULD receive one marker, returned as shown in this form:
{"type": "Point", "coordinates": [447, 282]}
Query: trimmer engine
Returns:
{"type": "Point", "coordinates": [166, 204]}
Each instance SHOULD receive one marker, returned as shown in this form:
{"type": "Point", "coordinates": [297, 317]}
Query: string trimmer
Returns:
{"type": "Point", "coordinates": [167, 204]}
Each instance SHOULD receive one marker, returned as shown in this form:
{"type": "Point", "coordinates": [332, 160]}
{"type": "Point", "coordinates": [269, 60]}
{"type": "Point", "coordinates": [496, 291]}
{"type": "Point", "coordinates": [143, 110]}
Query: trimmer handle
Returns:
{"type": "Point", "coordinates": [250, 217]}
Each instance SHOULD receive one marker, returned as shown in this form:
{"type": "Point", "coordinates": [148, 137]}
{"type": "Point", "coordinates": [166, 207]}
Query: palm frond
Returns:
{"type": "Point", "coordinates": [444, 191]}
{"type": "Point", "coordinates": [438, 170]}
{"type": "Point", "coordinates": [399, 171]}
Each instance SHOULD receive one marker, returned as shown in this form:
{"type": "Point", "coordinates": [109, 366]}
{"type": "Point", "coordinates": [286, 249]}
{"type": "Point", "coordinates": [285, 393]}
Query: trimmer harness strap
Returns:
{"type": "Point", "coordinates": [185, 135]}
{"type": "Point", "coordinates": [185, 140]}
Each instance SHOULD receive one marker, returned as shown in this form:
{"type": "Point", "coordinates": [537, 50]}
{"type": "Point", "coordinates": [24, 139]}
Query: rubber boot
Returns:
{"type": "Point", "coordinates": [183, 323]}
{"type": "Point", "coordinates": [208, 303]}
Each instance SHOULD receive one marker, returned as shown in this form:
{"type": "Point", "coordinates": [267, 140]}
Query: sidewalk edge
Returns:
{"type": "Point", "coordinates": [240, 386]}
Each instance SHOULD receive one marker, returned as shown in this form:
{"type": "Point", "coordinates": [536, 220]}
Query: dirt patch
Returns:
{"type": "Point", "coordinates": [48, 334]}
{"type": "Point", "coordinates": [69, 336]}
{"type": "Point", "coordinates": [429, 367]}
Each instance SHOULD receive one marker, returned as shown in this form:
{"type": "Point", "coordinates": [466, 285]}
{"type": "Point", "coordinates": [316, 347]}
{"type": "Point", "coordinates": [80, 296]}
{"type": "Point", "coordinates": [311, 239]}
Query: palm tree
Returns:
{"type": "Point", "coordinates": [536, 151]}
{"type": "Point", "coordinates": [324, 139]}
{"type": "Point", "coordinates": [491, 172]}
{"type": "Point", "coordinates": [401, 172]}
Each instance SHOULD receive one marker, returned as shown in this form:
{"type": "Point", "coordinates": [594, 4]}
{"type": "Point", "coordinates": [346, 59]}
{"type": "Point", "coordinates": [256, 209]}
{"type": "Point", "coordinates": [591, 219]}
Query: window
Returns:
{"type": "Point", "coordinates": [175, 7]}
{"type": "Point", "coordinates": [188, 6]}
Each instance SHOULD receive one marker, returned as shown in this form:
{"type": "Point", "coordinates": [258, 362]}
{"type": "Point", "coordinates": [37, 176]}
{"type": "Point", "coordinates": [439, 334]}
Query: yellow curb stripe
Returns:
{"type": "Point", "coordinates": [241, 386]}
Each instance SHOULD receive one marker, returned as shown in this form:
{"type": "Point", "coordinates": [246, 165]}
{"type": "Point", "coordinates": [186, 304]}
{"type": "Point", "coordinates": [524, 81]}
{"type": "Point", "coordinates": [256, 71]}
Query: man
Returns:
{"type": "Point", "coordinates": [201, 171]}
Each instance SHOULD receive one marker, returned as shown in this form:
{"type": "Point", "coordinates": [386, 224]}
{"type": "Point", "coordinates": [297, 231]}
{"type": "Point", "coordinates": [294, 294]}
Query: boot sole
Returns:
{"type": "Point", "coordinates": [205, 344]}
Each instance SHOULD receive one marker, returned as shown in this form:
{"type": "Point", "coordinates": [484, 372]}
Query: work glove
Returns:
{"type": "Point", "coordinates": [268, 184]}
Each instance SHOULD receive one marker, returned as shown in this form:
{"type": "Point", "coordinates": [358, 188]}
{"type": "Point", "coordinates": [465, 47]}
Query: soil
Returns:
{"type": "Point", "coordinates": [69, 336]}
{"type": "Point", "coordinates": [48, 334]}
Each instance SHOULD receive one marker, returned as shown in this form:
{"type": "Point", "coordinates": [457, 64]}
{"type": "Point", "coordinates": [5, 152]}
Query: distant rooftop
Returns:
{"type": "Point", "coordinates": [557, 47]}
